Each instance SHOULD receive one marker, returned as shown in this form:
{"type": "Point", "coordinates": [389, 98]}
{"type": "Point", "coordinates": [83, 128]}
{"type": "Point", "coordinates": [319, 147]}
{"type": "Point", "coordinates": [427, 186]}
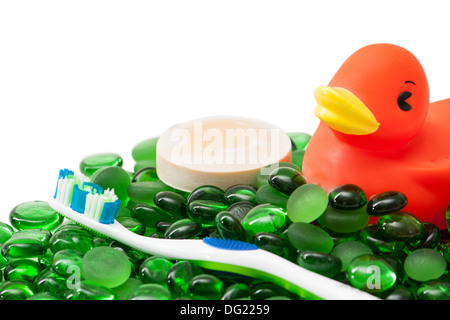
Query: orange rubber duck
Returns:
{"type": "Point", "coordinates": [379, 132]}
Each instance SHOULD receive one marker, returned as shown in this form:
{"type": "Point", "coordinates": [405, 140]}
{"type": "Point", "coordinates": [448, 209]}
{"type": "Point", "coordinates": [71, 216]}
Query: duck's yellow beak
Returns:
{"type": "Point", "coordinates": [343, 111]}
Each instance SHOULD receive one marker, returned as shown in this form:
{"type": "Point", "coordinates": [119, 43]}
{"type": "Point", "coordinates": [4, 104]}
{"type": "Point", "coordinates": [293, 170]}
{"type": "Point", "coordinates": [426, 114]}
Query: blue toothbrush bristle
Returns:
{"type": "Point", "coordinates": [229, 244]}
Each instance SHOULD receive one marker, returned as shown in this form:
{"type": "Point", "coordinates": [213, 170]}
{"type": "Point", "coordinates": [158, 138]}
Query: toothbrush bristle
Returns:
{"type": "Point", "coordinates": [84, 197]}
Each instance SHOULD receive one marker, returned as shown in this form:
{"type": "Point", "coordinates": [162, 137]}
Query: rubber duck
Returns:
{"type": "Point", "coordinates": [378, 131]}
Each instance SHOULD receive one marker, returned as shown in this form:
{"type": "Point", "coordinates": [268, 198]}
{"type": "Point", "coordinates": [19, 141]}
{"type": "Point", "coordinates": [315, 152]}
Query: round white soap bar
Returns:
{"type": "Point", "coordinates": [219, 151]}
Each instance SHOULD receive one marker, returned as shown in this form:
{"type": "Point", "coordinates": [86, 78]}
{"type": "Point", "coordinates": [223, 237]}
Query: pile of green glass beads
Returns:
{"type": "Point", "coordinates": [370, 244]}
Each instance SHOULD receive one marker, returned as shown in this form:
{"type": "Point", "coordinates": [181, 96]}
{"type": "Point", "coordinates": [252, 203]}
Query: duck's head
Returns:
{"type": "Point", "coordinates": [377, 100]}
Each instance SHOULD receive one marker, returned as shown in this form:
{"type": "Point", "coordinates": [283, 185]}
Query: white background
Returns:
{"type": "Point", "coordinates": [82, 77]}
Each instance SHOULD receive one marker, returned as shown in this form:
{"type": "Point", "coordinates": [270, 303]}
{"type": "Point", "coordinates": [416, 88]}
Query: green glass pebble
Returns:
{"type": "Point", "coordinates": [74, 238]}
{"type": "Point", "coordinates": [262, 177]}
{"type": "Point", "coordinates": [206, 287]}
{"type": "Point", "coordinates": [240, 209]}
{"type": "Point", "coordinates": [139, 165]}
{"type": "Point", "coordinates": [270, 242]}
{"type": "Point", "coordinates": [425, 264]}
{"type": "Point", "coordinates": [307, 203]}
{"type": "Point", "coordinates": [267, 290]}
{"type": "Point", "coordinates": [239, 193]}
{"type": "Point", "coordinates": [65, 260]}
{"type": "Point", "coordinates": [205, 211]}
{"type": "Point", "coordinates": [179, 277]}
{"type": "Point", "coordinates": [385, 203]}
{"type": "Point", "coordinates": [92, 163]}
{"type": "Point", "coordinates": [16, 290]}
{"type": "Point", "coordinates": [347, 197]}
{"type": "Point", "coordinates": [206, 192]}
{"type": "Point", "coordinates": [286, 180]}
{"type": "Point", "coordinates": [22, 269]}
{"type": "Point", "coordinates": [124, 291]}
{"type": "Point", "coordinates": [113, 178]}
{"type": "Point", "coordinates": [344, 221]}
{"type": "Point", "coordinates": [150, 291]}
{"type": "Point", "coordinates": [49, 281]}
{"type": "Point", "coordinates": [155, 270]}
{"type": "Point", "coordinates": [269, 195]}
{"type": "Point", "coordinates": [371, 273]}
{"type": "Point", "coordinates": [22, 247]}
{"type": "Point", "coordinates": [145, 150]}
{"type": "Point", "coordinates": [145, 174]}
{"type": "Point", "coordinates": [264, 218]}
{"type": "Point", "coordinates": [434, 290]}
{"type": "Point", "coordinates": [378, 242]}
{"type": "Point", "coordinates": [150, 215]}
{"type": "Point", "coordinates": [172, 202]}
{"type": "Point", "coordinates": [6, 232]}
{"type": "Point", "coordinates": [299, 140]}
{"type": "Point", "coordinates": [144, 192]}
{"type": "Point", "coordinates": [96, 266]}
{"type": "Point", "coordinates": [133, 224]}
{"type": "Point", "coordinates": [183, 229]}
{"type": "Point", "coordinates": [432, 236]}
{"type": "Point", "coordinates": [35, 214]}
{"type": "Point", "coordinates": [236, 291]}
{"type": "Point", "coordinates": [348, 250]}
{"type": "Point", "coordinates": [308, 237]}
{"type": "Point", "coordinates": [401, 226]}
{"type": "Point", "coordinates": [43, 296]}
{"type": "Point", "coordinates": [399, 293]}
{"type": "Point", "coordinates": [297, 158]}
{"type": "Point", "coordinates": [227, 226]}
{"type": "Point", "coordinates": [88, 290]}
{"type": "Point", "coordinates": [318, 262]}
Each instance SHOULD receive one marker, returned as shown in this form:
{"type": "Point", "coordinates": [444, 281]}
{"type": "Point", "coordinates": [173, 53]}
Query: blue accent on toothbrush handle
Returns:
{"type": "Point", "coordinates": [229, 244]}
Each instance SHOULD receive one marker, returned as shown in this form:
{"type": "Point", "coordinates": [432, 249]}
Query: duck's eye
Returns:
{"type": "Point", "coordinates": [401, 101]}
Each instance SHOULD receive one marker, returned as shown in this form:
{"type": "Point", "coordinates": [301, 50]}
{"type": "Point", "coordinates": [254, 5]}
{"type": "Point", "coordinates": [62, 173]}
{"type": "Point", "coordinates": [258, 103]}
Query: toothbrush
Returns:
{"type": "Point", "coordinates": [94, 208]}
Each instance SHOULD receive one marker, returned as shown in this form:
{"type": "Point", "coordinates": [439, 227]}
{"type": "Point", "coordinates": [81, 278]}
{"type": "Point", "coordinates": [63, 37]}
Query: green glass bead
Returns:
{"type": "Point", "coordinates": [113, 178]}
{"type": "Point", "coordinates": [299, 140]}
{"type": "Point", "coordinates": [16, 290]}
{"type": "Point", "coordinates": [96, 266]}
{"type": "Point", "coordinates": [88, 290]}
{"type": "Point", "coordinates": [145, 174]}
{"type": "Point", "coordinates": [22, 269]}
{"type": "Point", "coordinates": [150, 291]}
{"type": "Point", "coordinates": [183, 229]}
{"type": "Point", "coordinates": [22, 247]}
{"type": "Point", "coordinates": [39, 234]}
{"type": "Point", "coordinates": [401, 226]}
{"type": "Point", "coordinates": [264, 218]}
{"type": "Point", "coordinates": [139, 165]}
{"type": "Point", "coordinates": [151, 215]}
{"type": "Point", "coordinates": [434, 290]}
{"type": "Point", "coordinates": [269, 195]}
{"type": "Point", "coordinates": [73, 238]}
{"type": "Point", "coordinates": [205, 211]}
{"type": "Point", "coordinates": [297, 158]}
{"type": "Point", "coordinates": [92, 163]}
{"type": "Point", "coordinates": [49, 281]}
{"type": "Point", "coordinates": [65, 260]}
{"type": "Point", "coordinates": [227, 226]}
{"type": "Point", "coordinates": [347, 197]}
{"type": "Point", "coordinates": [267, 290]}
{"type": "Point", "coordinates": [318, 262]}
{"type": "Point", "coordinates": [133, 224]}
{"type": "Point", "coordinates": [145, 150]}
{"type": "Point", "coordinates": [399, 293]}
{"type": "Point", "coordinates": [308, 237]}
{"type": "Point", "coordinates": [43, 296]}
{"type": "Point", "coordinates": [206, 287]}
{"type": "Point", "coordinates": [432, 236]}
{"type": "Point", "coordinates": [371, 273]}
{"type": "Point", "coordinates": [236, 291]}
{"type": "Point", "coordinates": [35, 214]}
{"type": "Point", "coordinates": [344, 221]}
{"type": "Point", "coordinates": [378, 242]}
{"type": "Point", "coordinates": [206, 192]}
{"type": "Point", "coordinates": [385, 203]}
{"type": "Point", "coordinates": [144, 191]}
{"type": "Point", "coordinates": [348, 250]}
{"type": "Point", "coordinates": [425, 264]}
{"type": "Point", "coordinates": [270, 242]}
{"type": "Point", "coordinates": [286, 180]}
{"type": "Point", "coordinates": [240, 209]}
{"type": "Point", "coordinates": [262, 177]}
{"type": "Point", "coordinates": [172, 202]}
{"type": "Point", "coordinates": [6, 232]}
{"type": "Point", "coordinates": [179, 277]}
{"type": "Point", "coordinates": [307, 203]}
{"type": "Point", "coordinates": [124, 291]}
{"type": "Point", "coordinates": [239, 193]}
{"type": "Point", "coordinates": [155, 270]}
